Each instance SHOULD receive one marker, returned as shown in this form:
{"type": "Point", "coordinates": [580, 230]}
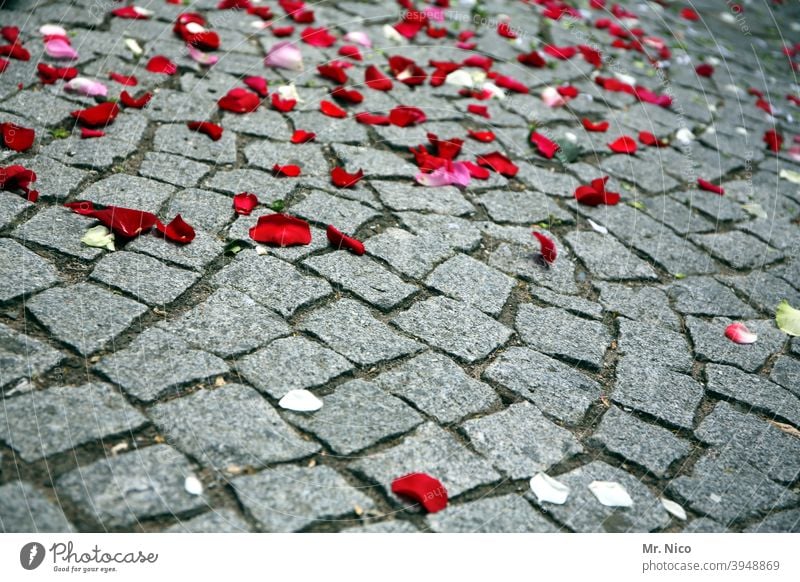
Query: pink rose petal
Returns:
{"type": "Point", "coordinates": [738, 333]}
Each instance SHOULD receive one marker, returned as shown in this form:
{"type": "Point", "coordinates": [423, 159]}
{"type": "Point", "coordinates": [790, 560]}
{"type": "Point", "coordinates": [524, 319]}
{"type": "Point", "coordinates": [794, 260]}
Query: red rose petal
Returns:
{"type": "Point", "coordinates": [332, 110]}
{"type": "Point", "coordinates": [532, 59]}
{"type": "Point", "coordinates": [704, 70]}
{"type": "Point", "coordinates": [161, 65]}
{"type": "Point", "coordinates": [547, 247]}
{"type": "Point", "coordinates": [375, 79]}
{"type": "Point", "coordinates": [290, 170]}
{"type": "Point", "coordinates": [774, 140]}
{"type": "Point", "coordinates": [257, 84]}
{"type": "Point", "coordinates": [406, 115]}
{"type": "Point", "coordinates": [87, 133]}
{"type": "Point", "coordinates": [239, 100]}
{"type": "Point", "coordinates": [482, 62]}
{"type": "Point", "coordinates": [127, 80]}
{"type": "Point", "coordinates": [15, 51]}
{"type": "Point", "coordinates": [546, 146]}
{"type": "Point", "coordinates": [347, 95]}
{"type": "Point", "coordinates": [422, 488]}
{"type": "Point", "coordinates": [129, 12]}
{"type": "Point", "coordinates": [481, 136]}
{"type": "Point", "coordinates": [447, 149]}
{"type": "Point", "coordinates": [689, 14]}
{"type": "Point", "coordinates": [178, 230]}
{"type": "Point", "coordinates": [595, 194]}
{"type": "Point", "coordinates": [281, 230]}
{"type": "Point", "coordinates": [335, 74]}
{"type": "Point", "coordinates": [709, 187]}
{"type": "Point", "coordinates": [623, 145]}
{"type": "Point", "coordinates": [244, 203]}
{"type": "Point", "coordinates": [499, 163]}
{"type": "Point", "coordinates": [303, 136]}
{"type": "Point", "coordinates": [16, 137]}
{"type": "Point", "coordinates": [341, 241]}
{"type": "Point", "coordinates": [318, 37]}
{"type": "Point", "coordinates": [97, 116]}
{"type": "Point", "coordinates": [212, 130]}
{"type": "Point", "coordinates": [560, 52]}
{"type": "Point", "coordinates": [407, 71]}
{"type": "Point", "coordinates": [511, 84]}
{"type": "Point", "coordinates": [18, 178]}
{"type": "Point", "coordinates": [49, 74]}
{"type": "Point", "coordinates": [342, 179]}
{"type": "Point", "coordinates": [599, 126]}
{"type": "Point", "coordinates": [128, 101]}
{"type": "Point", "coordinates": [126, 222]}
{"type": "Point", "coordinates": [481, 110]}
{"type": "Point", "coordinates": [372, 118]}
{"type": "Point", "coordinates": [10, 33]}
{"type": "Point", "coordinates": [350, 51]}
{"type": "Point", "coordinates": [477, 172]}
{"type": "Point", "coordinates": [282, 105]}
{"type": "Point", "coordinates": [282, 31]}
{"type": "Point", "coordinates": [567, 91]}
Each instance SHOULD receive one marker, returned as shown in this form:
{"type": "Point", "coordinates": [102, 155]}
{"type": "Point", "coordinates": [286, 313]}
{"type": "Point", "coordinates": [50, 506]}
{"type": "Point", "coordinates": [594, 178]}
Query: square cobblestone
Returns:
{"type": "Point", "coordinates": [346, 215]}
{"type": "Point", "coordinates": [711, 344]}
{"type": "Point", "coordinates": [786, 372]}
{"type": "Point", "coordinates": [173, 169]}
{"type": "Point", "coordinates": [607, 258]}
{"type": "Point", "coordinates": [214, 521]}
{"type": "Point", "coordinates": [66, 418]}
{"type": "Point", "coordinates": [144, 277]}
{"type": "Point", "coordinates": [291, 363]}
{"type": "Point", "coordinates": [504, 514]}
{"type": "Point", "coordinates": [293, 498]}
{"type": "Point", "coordinates": [439, 387]}
{"type": "Point", "coordinates": [362, 276]}
{"type": "Point", "coordinates": [525, 262]}
{"type": "Point", "coordinates": [232, 425]}
{"type": "Point", "coordinates": [120, 491]}
{"type": "Point", "coordinates": [54, 180]}
{"type": "Point", "coordinates": [454, 327]}
{"type": "Point", "coordinates": [85, 316]}
{"type": "Point", "coordinates": [520, 441]}
{"type": "Point", "coordinates": [23, 272]}
{"type": "Point", "coordinates": [24, 357]}
{"type": "Point", "coordinates": [485, 288]}
{"type": "Point", "coordinates": [412, 255]}
{"type": "Point", "coordinates": [59, 229]}
{"type": "Point", "coordinates": [157, 363]}
{"type": "Point", "coordinates": [644, 304]}
{"type": "Point", "coordinates": [653, 345]}
{"type": "Point", "coordinates": [129, 192]}
{"type": "Point", "coordinates": [349, 328]}
{"type": "Point", "coordinates": [705, 296]}
{"type": "Point", "coordinates": [459, 233]}
{"type": "Point", "coordinates": [739, 250]}
{"type": "Point", "coordinates": [556, 388]}
{"type": "Point", "coordinates": [526, 207]}
{"type": "Point", "coordinates": [374, 162]}
{"type": "Point", "coordinates": [400, 196]}
{"type": "Point", "coordinates": [24, 509]}
{"type": "Point", "coordinates": [179, 139]}
{"type": "Point", "coordinates": [203, 209]}
{"type": "Point", "coordinates": [358, 415]}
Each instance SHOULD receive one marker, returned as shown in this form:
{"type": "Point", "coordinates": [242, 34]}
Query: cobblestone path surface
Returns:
{"type": "Point", "coordinates": [140, 387]}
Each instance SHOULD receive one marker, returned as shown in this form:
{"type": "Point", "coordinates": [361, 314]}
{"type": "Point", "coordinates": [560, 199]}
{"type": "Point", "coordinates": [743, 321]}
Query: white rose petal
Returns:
{"type": "Point", "coordinates": [611, 494]}
{"type": "Point", "coordinates": [300, 401]}
{"type": "Point", "coordinates": [548, 490]}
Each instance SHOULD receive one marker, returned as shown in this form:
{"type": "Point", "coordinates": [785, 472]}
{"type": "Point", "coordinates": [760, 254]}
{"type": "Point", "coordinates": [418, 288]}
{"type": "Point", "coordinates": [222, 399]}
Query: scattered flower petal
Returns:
{"type": "Point", "coordinates": [281, 230]}
{"type": "Point", "coordinates": [161, 65]}
{"type": "Point", "coordinates": [212, 130]}
{"type": "Point", "coordinates": [97, 116]}
{"type": "Point", "coordinates": [341, 241]}
{"type": "Point", "coordinates": [288, 171]}
{"type": "Point", "coordinates": [87, 87]}
{"type": "Point", "coordinates": [738, 333]}
{"type": "Point", "coordinates": [548, 490]}
{"type": "Point", "coordinates": [303, 136]}
{"type": "Point", "coordinates": [239, 100]}
{"type": "Point", "coordinates": [709, 187]}
{"type": "Point", "coordinates": [673, 508]}
{"type": "Point", "coordinates": [87, 133]}
{"type": "Point", "coordinates": [545, 145]}
{"type": "Point", "coordinates": [244, 203]}
{"type": "Point", "coordinates": [16, 137]}
{"type": "Point", "coordinates": [342, 179]}
{"type": "Point", "coordinates": [499, 163]}
{"type": "Point", "coordinates": [300, 401]}
{"type": "Point", "coordinates": [59, 48]}
{"type": "Point", "coordinates": [178, 230]}
{"type": "Point", "coordinates": [134, 103]}
{"type": "Point", "coordinates": [192, 485]}
{"type": "Point", "coordinates": [547, 247]}
{"type": "Point", "coordinates": [595, 194]}
{"type": "Point", "coordinates": [422, 488]}
{"type": "Point", "coordinates": [100, 237]}
{"type": "Point", "coordinates": [611, 494]}
{"type": "Point", "coordinates": [623, 145]}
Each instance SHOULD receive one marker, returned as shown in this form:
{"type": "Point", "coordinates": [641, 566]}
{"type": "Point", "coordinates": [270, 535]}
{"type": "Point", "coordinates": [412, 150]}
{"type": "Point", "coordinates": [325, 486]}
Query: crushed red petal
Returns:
{"type": "Point", "coordinates": [178, 230]}
{"type": "Point", "coordinates": [547, 247]}
{"type": "Point", "coordinates": [134, 103]}
{"type": "Point", "coordinates": [422, 488]}
{"type": "Point", "coordinates": [289, 170]}
{"type": "Point", "coordinates": [342, 179]}
{"type": "Point", "coordinates": [212, 130]}
{"type": "Point", "coordinates": [340, 240]}
{"type": "Point", "coordinates": [302, 136]}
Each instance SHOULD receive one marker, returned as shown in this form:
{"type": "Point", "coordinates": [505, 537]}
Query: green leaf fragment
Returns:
{"type": "Point", "coordinates": [277, 205]}
{"type": "Point", "coordinates": [788, 318]}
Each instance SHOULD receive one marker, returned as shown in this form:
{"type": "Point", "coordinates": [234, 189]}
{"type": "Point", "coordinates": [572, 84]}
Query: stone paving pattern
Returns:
{"type": "Point", "coordinates": [449, 348]}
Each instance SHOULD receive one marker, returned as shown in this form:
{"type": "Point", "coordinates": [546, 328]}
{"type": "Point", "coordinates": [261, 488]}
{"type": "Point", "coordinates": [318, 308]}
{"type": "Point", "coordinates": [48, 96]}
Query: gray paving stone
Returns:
{"type": "Point", "coordinates": [454, 327]}
{"type": "Point", "coordinates": [228, 323]}
{"type": "Point", "coordinates": [53, 179]}
{"type": "Point", "coordinates": [520, 441]}
{"type": "Point", "coordinates": [525, 262]}
{"type": "Point", "coordinates": [293, 498]}
{"type": "Point", "coordinates": [24, 357]}
{"type": "Point", "coordinates": [504, 514]}
{"type": "Point", "coordinates": [346, 215]}
{"type": "Point", "coordinates": [40, 107]}
{"type": "Point", "coordinates": [430, 450]}
{"type": "Point", "coordinates": [128, 192]}
{"type": "Point", "coordinates": [711, 344]}
{"type": "Point", "coordinates": [392, 526]}
{"type": "Point", "coordinates": [349, 328]}
{"type": "Point", "coordinates": [728, 490]}
{"type": "Point", "coordinates": [583, 512]}
{"type": "Point", "coordinates": [232, 425]}
{"type": "Point", "coordinates": [557, 389]}
{"type": "Point", "coordinates": [265, 154]}
{"type": "Point", "coordinates": [439, 387]}
{"type": "Point", "coordinates": [526, 207]}
{"type": "Point", "coordinates": [555, 332]}
{"type": "Point", "coordinates": [262, 123]}
{"type": "Point", "coordinates": [459, 233]}
{"type": "Point", "coordinates": [144, 277]}
{"type": "Point", "coordinates": [705, 296]}
{"type": "Point", "coordinates": [786, 372]}
{"type": "Point", "coordinates": [551, 181]}
{"type": "Point", "coordinates": [23, 272]}
{"type": "Point", "coordinates": [203, 209]}
{"type": "Point", "coordinates": [119, 491]}
{"type": "Point", "coordinates": [214, 521]}
{"type": "Point", "coordinates": [739, 250]}
{"type": "Point", "coordinates": [93, 320]}
{"type": "Point", "coordinates": [23, 509]}
{"type": "Point", "coordinates": [781, 522]}
{"type": "Point", "coordinates": [401, 196]}
{"type": "Point", "coordinates": [486, 288]}
{"type": "Point", "coordinates": [271, 282]}
{"type": "Point", "coordinates": [197, 255]}
{"type": "Point", "coordinates": [761, 444]}
{"type": "Point", "coordinates": [412, 255]}
{"type": "Point", "coordinates": [570, 303]}
{"type": "Point", "coordinates": [266, 186]}
{"type": "Point", "coordinates": [647, 445]}
{"type": "Point", "coordinates": [763, 289]}
{"type": "Point", "coordinates": [644, 304]}
{"type": "Point", "coordinates": [659, 392]}
{"type": "Point", "coordinates": [179, 139]}
{"type": "Point", "coordinates": [374, 162]}
{"type": "Point", "coordinates": [606, 258]}
{"type": "Point", "coordinates": [157, 363]}
{"type": "Point", "coordinates": [173, 169]}
{"type": "Point", "coordinates": [754, 391]}
{"type": "Point", "coordinates": [59, 229]}
{"type": "Point", "coordinates": [291, 363]}
{"type": "Point", "coordinates": [358, 415]}
{"type": "Point", "coordinates": [66, 417]}
{"type": "Point", "coordinates": [704, 525]}
{"type": "Point", "coordinates": [362, 276]}
{"type": "Point", "coordinates": [651, 345]}
{"type": "Point", "coordinates": [11, 207]}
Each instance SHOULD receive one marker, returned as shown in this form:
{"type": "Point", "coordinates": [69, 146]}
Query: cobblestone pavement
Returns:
{"type": "Point", "coordinates": [451, 347]}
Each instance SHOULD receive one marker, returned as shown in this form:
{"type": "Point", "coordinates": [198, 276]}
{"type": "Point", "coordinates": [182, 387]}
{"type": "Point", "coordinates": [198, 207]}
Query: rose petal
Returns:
{"type": "Point", "coordinates": [239, 100]}
{"type": "Point", "coordinates": [300, 401]}
{"type": "Point", "coordinates": [284, 55]}
{"type": "Point", "coordinates": [611, 494]}
{"type": "Point", "coordinates": [58, 48]}
{"type": "Point", "coordinates": [546, 146]}
{"type": "Point", "coordinates": [787, 318]}
{"type": "Point", "coordinates": [244, 203]}
{"type": "Point", "coordinates": [290, 171]}
{"type": "Point", "coordinates": [600, 126]}
{"type": "Point", "coordinates": [623, 145]}
{"type": "Point", "coordinates": [178, 230]}
{"type": "Point", "coordinates": [161, 65]}
{"type": "Point", "coordinates": [99, 237]}
{"type": "Point", "coordinates": [342, 179]}
{"type": "Point", "coordinates": [126, 222]}
{"type": "Point", "coordinates": [16, 137]}
{"type": "Point", "coordinates": [282, 105]}
{"type": "Point", "coordinates": [87, 133]}
{"type": "Point", "coordinates": [481, 136]}
{"type": "Point", "coordinates": [481, 110]}
{"type": "Point", "coordinates": [281, 230]}
{"type": "Point", "coordinates": [548, 490]}
{"type": "Point", "coordinates": [340, 240]}
{"type": "Point", "coordinates": [422, 488]}
{"type": "Point", "coordinates": [375, 79]}
{"type": "Point", "coordinates": [212, 130]}
{"type": "Point", "coordinates": [128, 101]}
{"type": "Point", "coordinates": [318, 37]}
{"type": "Point", "coordinates": [709, 187]}
{"type": "Point", "coordinates": [406, 115]}
{"type": "Point", "coordinates": [87, 87]}
{"type": "Point", "coordinates": [49, 74]}
{"type": "Point", "coordinates": [331, 109]}
{"type": "Point", "coordinates": [127, 80]}
{"type": "Point", "coordinates": [97, 116]}
{"type": "Point", "coordinates": [18, 177]}
{"type": "Point", "coordinates": [257, 84]}
{"type": "Point", "coordinates": [738, 333]}
{"type": "Point", "coordinates": [547, 247]}
{"type": "Point", "coordinates": [302, 136]}
{"type": "Point", "coordinates": [499, 163]}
